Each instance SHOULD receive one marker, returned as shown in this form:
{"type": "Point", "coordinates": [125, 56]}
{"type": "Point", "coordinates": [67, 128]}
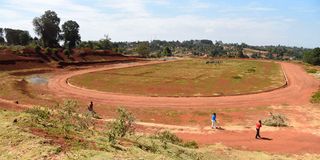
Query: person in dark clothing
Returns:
{"type": "Point", "coordinates": [258, 126]}
{"type": "Point", "coordinates": [90, 108]}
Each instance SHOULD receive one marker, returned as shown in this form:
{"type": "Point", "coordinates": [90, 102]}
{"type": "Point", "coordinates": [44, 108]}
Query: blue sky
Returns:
{"type": "Point", "coordinates": [256, 22]}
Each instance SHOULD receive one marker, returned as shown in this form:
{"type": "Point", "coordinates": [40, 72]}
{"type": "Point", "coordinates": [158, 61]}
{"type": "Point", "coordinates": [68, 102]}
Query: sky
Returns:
{"type": "Point", "coordinates": [255, 22]}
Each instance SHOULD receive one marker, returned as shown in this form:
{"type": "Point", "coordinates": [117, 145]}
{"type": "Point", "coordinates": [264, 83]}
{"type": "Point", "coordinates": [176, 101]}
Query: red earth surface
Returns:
{"type": "Point", "coordinates": [298, 91]}
{"type": "Point", "coordinates": [287, 140]}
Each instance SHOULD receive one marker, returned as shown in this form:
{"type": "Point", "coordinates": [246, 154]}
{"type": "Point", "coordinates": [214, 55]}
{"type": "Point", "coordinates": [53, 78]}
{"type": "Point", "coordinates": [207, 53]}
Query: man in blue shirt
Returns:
{"type": "Point", "coordinates": [213, 120]}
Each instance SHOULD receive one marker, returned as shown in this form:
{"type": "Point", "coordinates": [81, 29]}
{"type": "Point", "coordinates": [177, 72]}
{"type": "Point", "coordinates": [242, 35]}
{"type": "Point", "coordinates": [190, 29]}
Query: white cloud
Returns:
{"type": "Point", "coordinates": [129, 7]}
{"type": "Point", "coordinates": [130, 20]}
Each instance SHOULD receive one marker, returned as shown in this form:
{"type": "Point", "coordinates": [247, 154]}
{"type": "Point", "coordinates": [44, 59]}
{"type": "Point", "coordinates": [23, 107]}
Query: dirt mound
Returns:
{"type": "Point", "coordinates": [7, 56]}
{"type": "Point", "coordinates": [27, 58]}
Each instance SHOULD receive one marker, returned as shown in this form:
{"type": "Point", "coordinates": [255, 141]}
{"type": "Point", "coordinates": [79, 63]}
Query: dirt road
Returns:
{"type": "Point", "coordinates": [298, 91]}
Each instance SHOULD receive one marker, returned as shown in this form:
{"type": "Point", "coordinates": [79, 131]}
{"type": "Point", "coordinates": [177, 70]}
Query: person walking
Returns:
{"type": "Point", "coordinates": [258, 126]}
{"type": "Point", "coordinates": [214, 120]}
{"type": "Point", "coordinates": [90, 108]}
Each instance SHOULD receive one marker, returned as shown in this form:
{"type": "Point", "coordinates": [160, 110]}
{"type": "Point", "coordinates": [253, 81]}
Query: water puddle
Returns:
{"type": "Point", "coordinates": [37, 79]}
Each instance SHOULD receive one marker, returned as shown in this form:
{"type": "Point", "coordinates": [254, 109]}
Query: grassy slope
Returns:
{"type": "Point", "coordinates": [187, 78]}
{"type": "Point", "coordinates": [17, 143]}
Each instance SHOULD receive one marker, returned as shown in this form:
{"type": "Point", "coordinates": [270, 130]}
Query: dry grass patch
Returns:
{"type": "Point", "coordinates": [187, 78]}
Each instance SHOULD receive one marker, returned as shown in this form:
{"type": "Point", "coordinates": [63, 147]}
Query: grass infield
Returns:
{"type": "Point", "coordinates": [192, 77]}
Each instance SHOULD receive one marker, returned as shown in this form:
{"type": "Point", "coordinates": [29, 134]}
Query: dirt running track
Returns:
{"type": "Point", "coordinates": [287, 140]}
{"type": "Point", "coordinates": [283, 141]}
{"type": "Point", "coordinates": [298, 91]}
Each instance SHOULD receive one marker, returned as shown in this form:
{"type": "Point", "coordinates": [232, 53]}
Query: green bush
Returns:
{"type": "Point", "coordinates": [276, 120]}
{"type": "Point", "coordinates": [191, 144]}
{"type": "Point", "coordinates": [237, 77]}
{"type": "Point", "coordinates": [251, 70]}
{"type": "Point", "coordinates": [63, 120]}
{"type": "Point", "coordinates": [3, 47]}
{"type": "Point", "coordinates": [71, 119]}
{"type": "Point", "coordinates": [312, 70]}
{"type": "Point", "coordinates": [312, 56]}
{"type": "Point", "coordinates": [121, 126]}
{"type": "Point", "coordinates": [48, 51]}
{"type": "Point", "coordinates": [39, 114]}
{"type": "Point", "coordinates": [54, 50]}
{"type": "Point", "coordinates": [67, 52]}
{"type": "Point", "coordinates": [37, 49]}
{"type": "Point", "coordinates": [315, 98]}
{"type": "Point", "coordinates": [167, 136]}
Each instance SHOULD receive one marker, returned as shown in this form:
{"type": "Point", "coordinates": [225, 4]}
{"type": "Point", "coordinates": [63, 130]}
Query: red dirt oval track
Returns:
{"type": "Point", "coordinates": [298, 91]}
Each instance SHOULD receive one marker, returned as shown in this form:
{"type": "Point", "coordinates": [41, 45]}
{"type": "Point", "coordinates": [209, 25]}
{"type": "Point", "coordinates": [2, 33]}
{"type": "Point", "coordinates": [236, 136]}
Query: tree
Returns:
{"type": "Point", "coordinates": [105, 43]}
{"type": "Point", "coordinates": [312, 57]}
{"type": "Point", "coordinates": [17, 37]}
{"type": "Point", "coordinates": [167, 52]}
{"type": "Point", "coordinates": [205, 41]}
{"type": "Point", "coordinates": [2, 41]}
{"type": "Point", "coordinates": [71, 34]}
{"type": "Point", "coordinates": [24, 38]}
{"type": "Point", "coordinates": [217, 50]}
{"type": "Point", "coordinates": [12, 36]}
{"type": "Point", "coordinates": [1, 32]}
{"type": "Point", "coordinates": [143, 49]}
{"type": "Point", "coordinates": [47, 27]}
{"type": "Point", "coordinates": [122, 125]}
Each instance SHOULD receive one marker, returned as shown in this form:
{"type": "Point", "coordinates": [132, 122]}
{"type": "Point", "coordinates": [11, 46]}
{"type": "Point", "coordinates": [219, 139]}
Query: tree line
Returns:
{"type": "Point", "coordinates": [49, 34]}
{"type": "Point", "coordinates": [157, 48]}
{"type": "Point", "coordinates": [14, 36]}
{"type": "Point", "coordinates": [47, 27]}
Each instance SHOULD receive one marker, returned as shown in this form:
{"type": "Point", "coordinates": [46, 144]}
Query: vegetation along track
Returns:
{"type": "Point", "coordinates": [298, 91]}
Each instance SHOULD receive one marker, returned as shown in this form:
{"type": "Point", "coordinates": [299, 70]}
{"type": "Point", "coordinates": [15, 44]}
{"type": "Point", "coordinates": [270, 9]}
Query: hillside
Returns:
{"type": "Point", "coordinates": [24, 58]}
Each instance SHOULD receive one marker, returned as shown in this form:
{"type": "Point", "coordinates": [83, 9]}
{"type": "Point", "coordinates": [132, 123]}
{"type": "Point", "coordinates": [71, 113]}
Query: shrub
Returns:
{"type": "Point", "coordinates": [48, 51]}
{"type": "Point", "coordinates": [191, 144]}
{"type": "Point", "coordinates": [276, 120]}
{"type": "Point", "coordinates": [312, 56]}
{"type": "Point", "coordinates": [251, 70]}
{"type": "Point", "coordinates": [71, 120]}
{"type": "Point", "coordinates": [39, 114]}
{"type": "Point", "coordinates": [312, 70]}
{"type": "Point", "coordinates": [121, 126]}
{"type": "Point", "coordinates": [54, 50]}
{"type": "Point", "coordinates": [67, 52]}
{"type": "Point", "coordinates": [237, 77]}
{"type": "Point", "coordinates": [315, 98]}
{"type": "Point", "coordinates": [37, 49]}
{"type": "Point", "coordinates": [167, 136]}
{"type": "Point", "coordinates": [64, 120]}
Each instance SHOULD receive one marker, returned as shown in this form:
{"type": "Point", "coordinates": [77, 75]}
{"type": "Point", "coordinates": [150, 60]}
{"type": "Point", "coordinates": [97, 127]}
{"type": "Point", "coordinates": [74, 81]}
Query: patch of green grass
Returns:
{"type": "Point", "coordinates": [311, 70]}
{"type": "Point", "coordinates": [186, 78]}
{"type": "Point", "coordinates": [315, 98]}
{"type": "Point", "coordinates": [18, 144]}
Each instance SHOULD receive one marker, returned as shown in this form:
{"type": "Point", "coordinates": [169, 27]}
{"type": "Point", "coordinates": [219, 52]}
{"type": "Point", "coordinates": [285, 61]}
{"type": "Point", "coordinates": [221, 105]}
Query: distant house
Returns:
{"type": "Point", "coordinates": [249, 52]}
